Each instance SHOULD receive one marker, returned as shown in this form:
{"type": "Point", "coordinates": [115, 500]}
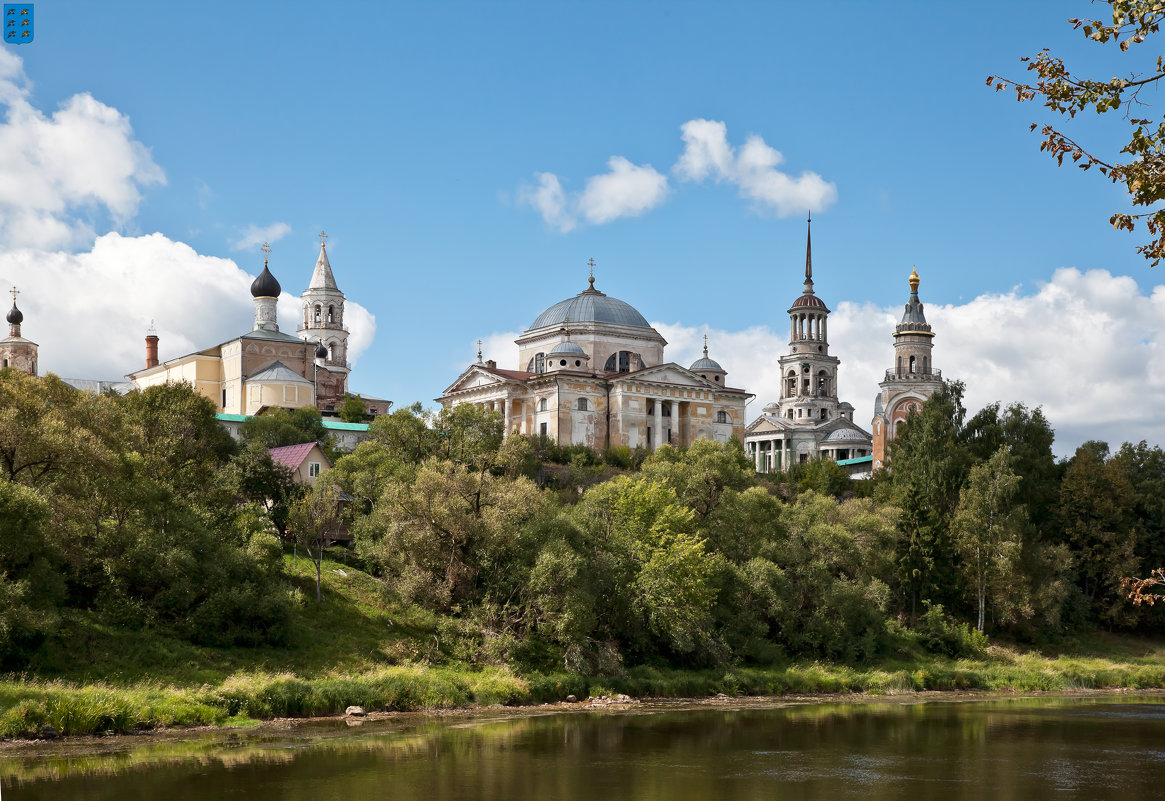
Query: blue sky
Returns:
{"type": "Point", "coordinates": [417, 134]}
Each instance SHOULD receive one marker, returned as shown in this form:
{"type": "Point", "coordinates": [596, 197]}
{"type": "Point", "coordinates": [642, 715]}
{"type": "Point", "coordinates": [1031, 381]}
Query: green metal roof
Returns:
{"type": "Point", "coordinates": [858, 460]}
{"type": "Point", "coordinates": [340, 425]}
{"type": "Point", "coordinates": [335, 425]}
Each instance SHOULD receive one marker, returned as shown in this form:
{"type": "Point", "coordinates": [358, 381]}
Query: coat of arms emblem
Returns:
{"type": "Point", "coordinates": [17, 23]}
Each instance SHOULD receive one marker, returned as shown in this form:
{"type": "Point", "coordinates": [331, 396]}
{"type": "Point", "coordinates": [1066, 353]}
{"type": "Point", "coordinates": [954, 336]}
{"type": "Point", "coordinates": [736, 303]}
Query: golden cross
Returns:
{"type": "Point", "coordinates": [705, 344]}
{"type": "Point", "coordinates": [323, 235]}
{"type": "Point", "coordinates": [14, 292]}
{"type": "Point", "coordinates": [266, 249]}
{"type": "Point", "coordinates": [591, 264]}
{"type": "Point", "coordinates": [479, 350]}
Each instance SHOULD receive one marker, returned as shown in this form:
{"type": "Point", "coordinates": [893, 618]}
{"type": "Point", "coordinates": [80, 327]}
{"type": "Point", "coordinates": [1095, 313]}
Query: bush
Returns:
{"type": "Point", "coordinates": [939, 634]}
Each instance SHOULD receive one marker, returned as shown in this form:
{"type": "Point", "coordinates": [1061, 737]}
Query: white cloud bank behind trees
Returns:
{"type": "Point", "coordinates": [1088, 347]}
{"type": "Point", "coordinates": [88, 299]}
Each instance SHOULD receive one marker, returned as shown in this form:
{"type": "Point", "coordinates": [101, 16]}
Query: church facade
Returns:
{"type": "Point", "coordinates": [591, 371]}
{"type": "Point", "coordinates": [266, 367]}
{"type": "Point", "coordinates": [910, 381]}
{"type": "Point", "coordinates": [808, 422]}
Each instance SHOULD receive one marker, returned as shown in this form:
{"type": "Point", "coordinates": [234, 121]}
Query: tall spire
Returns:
{"type": "Point", "coordinates": [809, 255]}
{"type": "Point", "coordinates": [321, 277]}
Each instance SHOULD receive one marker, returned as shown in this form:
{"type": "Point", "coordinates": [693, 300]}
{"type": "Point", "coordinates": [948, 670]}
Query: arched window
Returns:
{"type": "Point", "coordinates": [925, 366]}
{"type": "Point", "coordinates": [331, 351]}
{"type": "Point", "coordinates": [582, 404]}
{"type": "Point", "coordinates": [912, 364]}
{"type": "Point", "coordinates": [618, 362]}
{"type": "Point", "coordinates": [665, 410]}
{"type": "Point", "coordinates": [542, 405]}
{"type": "Point", "coordinates": [538, 363]}
{"type": "Point", "coordinates": [899, 365]}
{"type": "Point", "coordinates": [331, 314]}
{"type": "Point", "coordinates": [824, 414]}
{"type": "Point", "coordinates": [721, 417]}
{"type": "Point", "coordinates": [317, 318]}
{"type": "Point", "coordinates": [790, 414]}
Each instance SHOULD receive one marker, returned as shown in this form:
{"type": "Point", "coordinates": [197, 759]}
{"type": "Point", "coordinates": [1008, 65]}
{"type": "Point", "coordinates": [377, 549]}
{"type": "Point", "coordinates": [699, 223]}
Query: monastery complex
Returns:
{"type": "Point", "coordinates": [591, 371]}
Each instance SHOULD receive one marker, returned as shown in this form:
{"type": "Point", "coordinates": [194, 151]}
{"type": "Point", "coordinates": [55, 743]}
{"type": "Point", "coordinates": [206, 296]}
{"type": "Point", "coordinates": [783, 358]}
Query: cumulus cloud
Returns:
{"type": "Point", "coordinates": [89, 311]}
{"type": "Point", "coordinates": [60, 172]}
{"type": "Point", "coordinates": [625, 190]}
{"type": "Point", "coordinates": [753, 169]}
{"type": "Point", "coordinates": [255, 235]}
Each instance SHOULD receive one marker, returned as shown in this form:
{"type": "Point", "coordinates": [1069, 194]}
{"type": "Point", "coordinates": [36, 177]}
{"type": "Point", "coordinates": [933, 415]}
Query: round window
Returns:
{"type": "Point", "coordinates": [577, 363]}
{"type": "Point", "coordinates": [562, 362]}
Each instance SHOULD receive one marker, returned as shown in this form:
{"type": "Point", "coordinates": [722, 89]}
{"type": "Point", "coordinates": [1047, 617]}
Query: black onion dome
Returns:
{"type": "Point", "coordinates": [321, 351]}
{"type": "Point", "coordinates": [15, 316]}
{"type": "Point", "coordinates": [265, 286]}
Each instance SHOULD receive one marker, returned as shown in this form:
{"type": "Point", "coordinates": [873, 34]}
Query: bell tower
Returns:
{"type": "Point", "coordinates": [808, 372]}
{"type": "Point", "coordinates": [16, 351]}
{"type": "Point", "coordinates": [323, 313]}
{"type": "Point", "coordinates": [911, 380]}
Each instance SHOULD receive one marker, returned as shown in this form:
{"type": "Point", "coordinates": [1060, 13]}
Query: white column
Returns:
{"type": "Point", "coordinates": [756, 454]}
{"type": "Point", "coordinates": [657, 438]}
{"type": "Point", "coordinates": [522, 424]}
{"type": "Point", "coordinates": [506, 408]}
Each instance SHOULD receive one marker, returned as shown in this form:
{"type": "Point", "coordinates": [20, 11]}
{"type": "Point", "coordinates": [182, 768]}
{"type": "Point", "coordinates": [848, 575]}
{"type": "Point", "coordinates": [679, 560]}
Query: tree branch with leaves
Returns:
{"type": "Point", "coordinates": [1067, 94]}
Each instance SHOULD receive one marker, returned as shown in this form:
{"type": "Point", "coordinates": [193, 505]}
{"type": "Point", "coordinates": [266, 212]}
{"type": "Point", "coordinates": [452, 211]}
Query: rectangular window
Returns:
{"type": "Point", "coordinates": [254, 393]}
{"type": "Point", "coordinates": [542, 429]}
{"type": "Point", "coordinates": [313, 469]}
{"type": "Point", "coordinates": [224, 398]}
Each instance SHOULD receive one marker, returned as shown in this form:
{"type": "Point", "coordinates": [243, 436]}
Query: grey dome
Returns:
{"type": "Point", "coordinates": [321, 351]}
{"type": "Point", "coordinates": [567, 348]}
{"type": "Point", "coordinates": [847, 435]}
{"type": "Point", "coordinates": [705, 364]}
{"type": "Point", "coordinates": [15, 316]}
{"type": "Point", "coordinates": [590, 306]}
{"type": "Point", "coordinates": [265, 286]}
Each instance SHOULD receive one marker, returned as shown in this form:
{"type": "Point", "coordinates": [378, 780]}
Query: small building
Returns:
{"type": "Point", "coordinates": [345, 436]}
{"type": "Point", "coordinates": [307, 462]}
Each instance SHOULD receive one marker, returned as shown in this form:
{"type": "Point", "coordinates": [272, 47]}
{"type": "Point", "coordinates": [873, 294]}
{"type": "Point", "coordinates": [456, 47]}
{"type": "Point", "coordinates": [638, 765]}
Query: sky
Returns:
{"type": "Point", "coordinates": [467, 159]}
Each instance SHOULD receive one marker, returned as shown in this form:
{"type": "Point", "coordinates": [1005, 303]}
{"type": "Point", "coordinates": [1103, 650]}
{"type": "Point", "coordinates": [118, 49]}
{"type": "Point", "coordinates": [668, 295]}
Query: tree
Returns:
{"type": "Point", "coordinates": [930, 462]}
{"type": "Point", "coordinates": [252, 475]}
{"type": "Point", "coordinates": [1095, 514]}
{"type": "Point", "coordinates": [1067, 94]}
{"type": "Point", "coordinates": [279, 427]}
{"type": "Point", "coordinates": [986, 528]}
{"type": "Point", "coordinates": [352, 410]}
{"type": "Point", "coordinates": [315, 521]}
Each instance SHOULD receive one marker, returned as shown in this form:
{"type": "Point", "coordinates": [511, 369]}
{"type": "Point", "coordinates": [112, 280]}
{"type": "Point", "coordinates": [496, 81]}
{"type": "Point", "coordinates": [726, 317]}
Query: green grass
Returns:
{"type": "Point", "coordinates": [360, 649]}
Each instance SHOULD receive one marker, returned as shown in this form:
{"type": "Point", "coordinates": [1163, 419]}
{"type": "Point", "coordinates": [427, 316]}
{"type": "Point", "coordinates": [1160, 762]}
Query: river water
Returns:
{"type": "Point", "coordinates": [1092, 747]}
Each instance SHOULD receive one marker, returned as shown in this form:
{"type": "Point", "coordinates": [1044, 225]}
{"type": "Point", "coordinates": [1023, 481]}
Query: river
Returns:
{"type": "Point", "coordinates": [1023, 748]}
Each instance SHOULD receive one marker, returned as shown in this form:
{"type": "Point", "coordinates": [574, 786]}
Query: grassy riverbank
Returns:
{"type": "Point", "coordinates": [357, 649]}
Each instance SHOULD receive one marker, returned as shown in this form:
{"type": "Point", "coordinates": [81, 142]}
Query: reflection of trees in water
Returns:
{"type": "Point", "coordinates": [649, 753]}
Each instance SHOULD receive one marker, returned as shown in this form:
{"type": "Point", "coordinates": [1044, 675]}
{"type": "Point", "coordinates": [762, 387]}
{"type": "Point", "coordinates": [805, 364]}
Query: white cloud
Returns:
{"type": "Point", "coordinates": [1087, 347]}
{"type": "Point", "coordinates": [82, 161]}
{"type": "Point", "coordinates": [625, 190]}
{"type": "Point", "coordinates": [549, 200]}
{"type": "Point", "coordinates": [89, 311]}
{"type": "Point", "coordinates": [254, 235]}
{"type": "Point", "coordinates": [753, 169]}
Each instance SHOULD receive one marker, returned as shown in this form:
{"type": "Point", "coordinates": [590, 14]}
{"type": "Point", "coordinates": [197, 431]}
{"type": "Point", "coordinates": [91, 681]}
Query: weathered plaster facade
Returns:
{"type": "Point", "coordinates": [595, 375]}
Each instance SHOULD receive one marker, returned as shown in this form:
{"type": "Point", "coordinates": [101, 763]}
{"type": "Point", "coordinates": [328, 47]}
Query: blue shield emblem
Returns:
{"type": "Point", "coordinates": [17, 23]}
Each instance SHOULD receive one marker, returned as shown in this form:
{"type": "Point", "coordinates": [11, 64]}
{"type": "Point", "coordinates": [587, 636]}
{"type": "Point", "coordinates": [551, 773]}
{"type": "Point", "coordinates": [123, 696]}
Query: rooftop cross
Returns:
{"type": "Point", "coordinates": [705, 346]}
{"type": "Point", "coordinates": [14, 292]}
{"type": "Point", "coordinates": [323, 235]}
{"type": "Point", "coordinates": [591, 265]}
{"type": "Point", "coordinates": [266, 250]}
{"type": "Point", "coordinates": [479, 351]}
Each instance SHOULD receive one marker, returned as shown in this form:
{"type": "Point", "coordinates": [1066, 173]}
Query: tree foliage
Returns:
{"type": "Point", "coordinates": [1066, 93]}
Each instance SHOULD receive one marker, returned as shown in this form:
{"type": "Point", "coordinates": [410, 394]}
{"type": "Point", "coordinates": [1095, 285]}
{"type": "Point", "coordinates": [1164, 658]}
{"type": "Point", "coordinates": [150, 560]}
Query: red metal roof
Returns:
{"type": "Point", "coordinates": [291, 456]}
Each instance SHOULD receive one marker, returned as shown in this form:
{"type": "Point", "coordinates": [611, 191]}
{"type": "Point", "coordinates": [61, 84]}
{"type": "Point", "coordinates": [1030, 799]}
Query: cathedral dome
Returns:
{"type": "Point", "coordinates": [705, 364]}
{"type": "Point", "coordinates": [567, 349]}
{"type": "Point", "coordinates": [847, 435]}
{"type": "Point", "coordinates": [591, 306]}
{"type": "Point", "coordinates": [15, 316]}
{"type": "Point", "coordinates": [808, 301]}
{"type": "Point", "coordinates": [265, 286]}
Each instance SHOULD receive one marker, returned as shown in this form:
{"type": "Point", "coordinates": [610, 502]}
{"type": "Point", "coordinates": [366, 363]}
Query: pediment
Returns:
{"type": "Point", "coordinates": [763, 425]}
{"type": "Point", "coordinates": [475, 378]}
{"type": "Point", "coordinates": [672, 374]}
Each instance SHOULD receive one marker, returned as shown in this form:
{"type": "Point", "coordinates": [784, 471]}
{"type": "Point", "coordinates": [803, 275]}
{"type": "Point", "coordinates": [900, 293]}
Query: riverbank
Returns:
{"type": "Point", "coordinates": [40, 709]}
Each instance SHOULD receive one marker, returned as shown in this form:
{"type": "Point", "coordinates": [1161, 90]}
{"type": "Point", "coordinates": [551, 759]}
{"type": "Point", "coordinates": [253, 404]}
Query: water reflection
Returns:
{"type": "Point", "coordinates": [1066, 748]}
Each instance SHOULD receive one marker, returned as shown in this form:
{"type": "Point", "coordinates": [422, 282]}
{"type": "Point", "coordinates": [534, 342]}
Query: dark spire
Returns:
{"type": "Point", "coordinates": [809, 256]}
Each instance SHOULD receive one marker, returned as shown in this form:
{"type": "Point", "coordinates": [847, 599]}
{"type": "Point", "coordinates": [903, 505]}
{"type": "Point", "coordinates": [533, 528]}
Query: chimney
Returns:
{"type": "Point", "coordinates": [151, 347]}
{"type": "Point", "coordinates": [491, 364]}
